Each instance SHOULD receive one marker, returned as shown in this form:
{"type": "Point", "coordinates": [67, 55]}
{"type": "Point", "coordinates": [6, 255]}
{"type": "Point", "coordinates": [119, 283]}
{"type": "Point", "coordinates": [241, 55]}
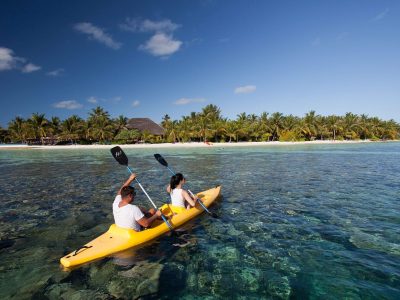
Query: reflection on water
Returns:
{"type": "Point", "coordinates": [311, 221]}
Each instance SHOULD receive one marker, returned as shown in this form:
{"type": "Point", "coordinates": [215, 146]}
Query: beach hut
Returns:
{"type": "Point", "coordinates": [145, 125]}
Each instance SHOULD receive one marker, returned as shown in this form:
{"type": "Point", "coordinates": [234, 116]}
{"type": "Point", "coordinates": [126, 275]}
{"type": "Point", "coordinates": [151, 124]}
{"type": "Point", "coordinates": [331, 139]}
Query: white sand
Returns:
{"type": "Point", "coordinates": [188, 145]}
{"type": "Point", "coordinates": [191, 145]}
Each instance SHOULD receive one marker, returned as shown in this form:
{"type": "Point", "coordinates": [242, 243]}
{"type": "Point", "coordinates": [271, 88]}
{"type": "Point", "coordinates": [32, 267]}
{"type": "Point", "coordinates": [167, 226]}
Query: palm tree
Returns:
{"type": "Point", "coordinates": [390, 130]}
{"type": "Point", "coordinates": [276, 124]}
{"type": "Point", "coordinates": [350, 126]}
{"type": "Point", "coordinates": [364, 127]}
{"type": "Point", "coordinates": [3, 135]}
{"type": "Point", "coordinates": [102, 130]}
{"type": "Point", "coordinates": [72, 128]}
{"type": "Point", "coordinates": [40, 125]}
{"type": "Point", "coordinates": [146, 136]}
{"type": "Point", "coordinates": [231, 130]}
{"type": "Point", "coordinates": [173, 133]}
{"type": "Point", "coordinates": [127, 136]}
{"type": "Point", "coordinates": [212, 112]}
{"type": "Point", "coordinates": [17, 130]}
{"type": "Point", "coordinates": [253, 127]}
{"type": "Point", "coordinates": [101, 125]}
{"type": "Point", "coordinates": [291, 128]}
{"type": "Point", "coordinates": [165, 120]}
{"type": "Point", "coordinates": [98, 113]}
{"type": "Point", "coordinates": [55, 125]}
{"type": "Point", "coordinates": [120, 123]}
{"type": "Point", "coordinates": [309, 126]}
{"type": "Point", "coordinates": [204, 126]}
{"type": "Point", "coordinates": [334, 125]}
{"type": "Point", "coordinates": [185, 129]}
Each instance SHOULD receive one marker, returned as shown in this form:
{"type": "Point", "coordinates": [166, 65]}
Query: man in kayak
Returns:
{"type": "Point", "coordinates": [128, 215]}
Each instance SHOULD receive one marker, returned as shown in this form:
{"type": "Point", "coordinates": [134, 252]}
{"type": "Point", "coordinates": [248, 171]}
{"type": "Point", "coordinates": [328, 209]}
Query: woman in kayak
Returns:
{"type": "Point", "coordinates": [128, 215]}
{"type": "Point", "coordinates": [179, 196]}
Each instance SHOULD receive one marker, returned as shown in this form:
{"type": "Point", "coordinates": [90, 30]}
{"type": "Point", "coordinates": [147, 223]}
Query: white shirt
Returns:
{"type": "Point", "coordinates": [177, 198]}
{"type": "Point", "coordinates": [127, 216]}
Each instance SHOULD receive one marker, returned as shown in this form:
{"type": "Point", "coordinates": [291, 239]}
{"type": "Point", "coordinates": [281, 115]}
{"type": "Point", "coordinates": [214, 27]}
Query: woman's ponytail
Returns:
{"type": "Point", "coordinates": [175, 180]}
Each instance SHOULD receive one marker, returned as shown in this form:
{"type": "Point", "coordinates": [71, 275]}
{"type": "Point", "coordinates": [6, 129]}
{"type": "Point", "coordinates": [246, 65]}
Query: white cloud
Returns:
{"type": "Point", "coordinates": [135, 103]}
{"type": "Point", "coordinates": [381, 15]}
{"type": "Point", "coordinates": [68, 104]}
{"type": "Point", "coordinates": [55, 73]}
{"type": "Point", "coordinates": [97, 34]}
{"type": "Point", "coordinates": [92, 100]}
{"type": "Point", "coordinates": [116, 99]}
{"type": "Point", "coordinates": [136, 25]}
{"type": "Point", "coordinates": [161, 44]}
{"type": "Point", "coordinates": [184, 101]}
{"type": "Point", "coordinates": [161, 26]}
{"type": "Point", "coordinates": [29, 68]}
{"type": "Point", "coordinates": [246, 89]}
{"type": "Point", "coordinates": [8, 60]}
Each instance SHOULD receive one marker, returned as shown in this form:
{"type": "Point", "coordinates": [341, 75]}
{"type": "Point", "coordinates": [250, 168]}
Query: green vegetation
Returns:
{"type": "Point", "coordinates": [207, 125]}
{"type": "Point", "coordinates": [211, 126]}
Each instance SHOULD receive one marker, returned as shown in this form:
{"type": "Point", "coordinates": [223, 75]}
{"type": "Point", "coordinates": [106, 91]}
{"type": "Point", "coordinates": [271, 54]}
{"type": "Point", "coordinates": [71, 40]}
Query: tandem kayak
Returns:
{"type": "Point", "coordinates": [117, 239]}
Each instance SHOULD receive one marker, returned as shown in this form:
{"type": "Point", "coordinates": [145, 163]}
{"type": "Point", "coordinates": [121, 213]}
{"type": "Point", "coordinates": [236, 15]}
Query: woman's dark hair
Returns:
{"type": "Point", "coordinates": [175, 179]}
{"type": "Point", "coordinates": [127, 190]}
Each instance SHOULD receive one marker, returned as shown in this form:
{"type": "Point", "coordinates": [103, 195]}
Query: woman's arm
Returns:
{"type": "Point", "coordinates": [169, 189]}
{"type": "Point", "coordinates": [189, 199]}
{"type": "Point", "coordinates": [128, 182]}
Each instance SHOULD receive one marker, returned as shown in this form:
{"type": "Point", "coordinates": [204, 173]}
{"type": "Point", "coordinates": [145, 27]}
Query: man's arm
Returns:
{"type": "Point", "coordinates": [127, 183]}
{"type": "Point", "coordinates": [146, 222]}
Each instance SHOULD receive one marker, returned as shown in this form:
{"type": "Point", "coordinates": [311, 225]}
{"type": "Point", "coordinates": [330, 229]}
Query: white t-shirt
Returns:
{"type": "Point", "coordinates": [177, 198]}
{"type": "Point", "coordinates": [126, 216]}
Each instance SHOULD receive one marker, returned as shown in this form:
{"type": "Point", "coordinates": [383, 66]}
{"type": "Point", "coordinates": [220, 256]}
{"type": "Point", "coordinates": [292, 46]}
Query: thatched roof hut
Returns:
{"type": "Point", "coordinates": [143, 124]}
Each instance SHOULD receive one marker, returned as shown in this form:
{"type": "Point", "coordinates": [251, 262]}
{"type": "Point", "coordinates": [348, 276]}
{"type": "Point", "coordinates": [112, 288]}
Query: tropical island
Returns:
{"type": "Point", "coordinates": [206, 126]}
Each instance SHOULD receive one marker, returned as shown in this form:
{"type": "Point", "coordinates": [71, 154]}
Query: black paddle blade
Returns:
{"type": "Point", "coordinates": [119, 155]}
{"type": "Point", "coordinates": [161, 159]}
{"type": "Point", "coordinates": [214, 215]}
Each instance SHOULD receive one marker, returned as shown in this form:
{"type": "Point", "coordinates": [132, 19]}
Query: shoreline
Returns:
{"type": "Point", "coordinates": [186, 145]}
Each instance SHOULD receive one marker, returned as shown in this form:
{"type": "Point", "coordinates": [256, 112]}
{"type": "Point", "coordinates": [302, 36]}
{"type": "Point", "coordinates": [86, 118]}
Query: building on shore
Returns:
{"type": "Point", "coordinates": [145, 124]}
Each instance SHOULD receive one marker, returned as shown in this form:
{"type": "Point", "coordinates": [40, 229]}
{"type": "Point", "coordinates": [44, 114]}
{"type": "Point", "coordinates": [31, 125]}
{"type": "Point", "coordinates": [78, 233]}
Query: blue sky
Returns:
{"type": "Point", "coordinates": [151, 58]}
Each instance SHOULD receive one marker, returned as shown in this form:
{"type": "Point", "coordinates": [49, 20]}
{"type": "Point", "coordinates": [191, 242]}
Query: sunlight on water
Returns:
{"type": "Point", "coordinates": [310, 221]}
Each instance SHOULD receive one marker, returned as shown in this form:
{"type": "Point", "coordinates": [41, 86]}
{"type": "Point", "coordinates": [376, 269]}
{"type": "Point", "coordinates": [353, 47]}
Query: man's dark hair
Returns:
{"type": "Point", "coordinates": [127, 190]}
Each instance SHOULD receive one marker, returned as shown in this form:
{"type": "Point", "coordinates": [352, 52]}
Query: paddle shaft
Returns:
{"type": "Point", "coordinates": [144, 191]}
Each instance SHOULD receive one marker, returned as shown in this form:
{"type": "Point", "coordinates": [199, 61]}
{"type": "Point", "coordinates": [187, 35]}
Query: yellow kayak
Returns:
{"type": "Point", "coordinates": [117, 239]}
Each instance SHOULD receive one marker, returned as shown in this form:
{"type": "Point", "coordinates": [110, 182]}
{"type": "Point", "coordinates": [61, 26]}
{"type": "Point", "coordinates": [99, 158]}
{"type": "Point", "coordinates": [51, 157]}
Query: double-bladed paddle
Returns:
{"type": "Point", "coordinates": [121, 157]}
{"type": "Point", "coordinates": [162, 161]}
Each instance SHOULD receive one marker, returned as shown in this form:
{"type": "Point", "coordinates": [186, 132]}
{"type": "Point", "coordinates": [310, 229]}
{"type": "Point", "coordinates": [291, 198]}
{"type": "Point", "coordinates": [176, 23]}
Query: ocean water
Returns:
{"type": "Point", "coordinates": [295, 222]}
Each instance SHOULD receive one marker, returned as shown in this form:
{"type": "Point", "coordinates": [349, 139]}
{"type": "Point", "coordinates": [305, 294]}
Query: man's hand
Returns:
{"type": "Point", "coordinates": [132, 177]}
{"type": "Point", "coordinates": [128, 182]}
{"type": "Point", "coordinates": [158, 213]}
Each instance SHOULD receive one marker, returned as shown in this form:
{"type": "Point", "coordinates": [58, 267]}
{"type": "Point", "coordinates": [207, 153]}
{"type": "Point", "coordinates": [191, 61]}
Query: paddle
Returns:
{"type": "Point", "coordinates": [162, 161]}
{"type": "Point", "coordinates": [120, 157]}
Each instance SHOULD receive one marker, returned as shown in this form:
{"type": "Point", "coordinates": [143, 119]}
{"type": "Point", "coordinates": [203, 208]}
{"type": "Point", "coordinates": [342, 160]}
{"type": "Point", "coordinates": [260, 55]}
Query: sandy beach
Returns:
{"type": "Point", "coordinates": [183, 145]}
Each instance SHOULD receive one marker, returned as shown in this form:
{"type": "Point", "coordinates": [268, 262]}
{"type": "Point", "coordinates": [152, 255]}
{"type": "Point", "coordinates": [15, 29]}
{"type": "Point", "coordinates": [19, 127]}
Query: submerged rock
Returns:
{"type": "Point", "coordinates": [279, 287]}
{"type": "Point", "coordinates": [65, 291]}
{"type": "Point", "coordinates": [141, 280]}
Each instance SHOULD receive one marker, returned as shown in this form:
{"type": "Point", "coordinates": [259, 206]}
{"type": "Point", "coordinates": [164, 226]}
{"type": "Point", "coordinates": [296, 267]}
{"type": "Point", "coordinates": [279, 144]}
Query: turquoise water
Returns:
{"type": "Point", "coordinates": [296, 222]}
